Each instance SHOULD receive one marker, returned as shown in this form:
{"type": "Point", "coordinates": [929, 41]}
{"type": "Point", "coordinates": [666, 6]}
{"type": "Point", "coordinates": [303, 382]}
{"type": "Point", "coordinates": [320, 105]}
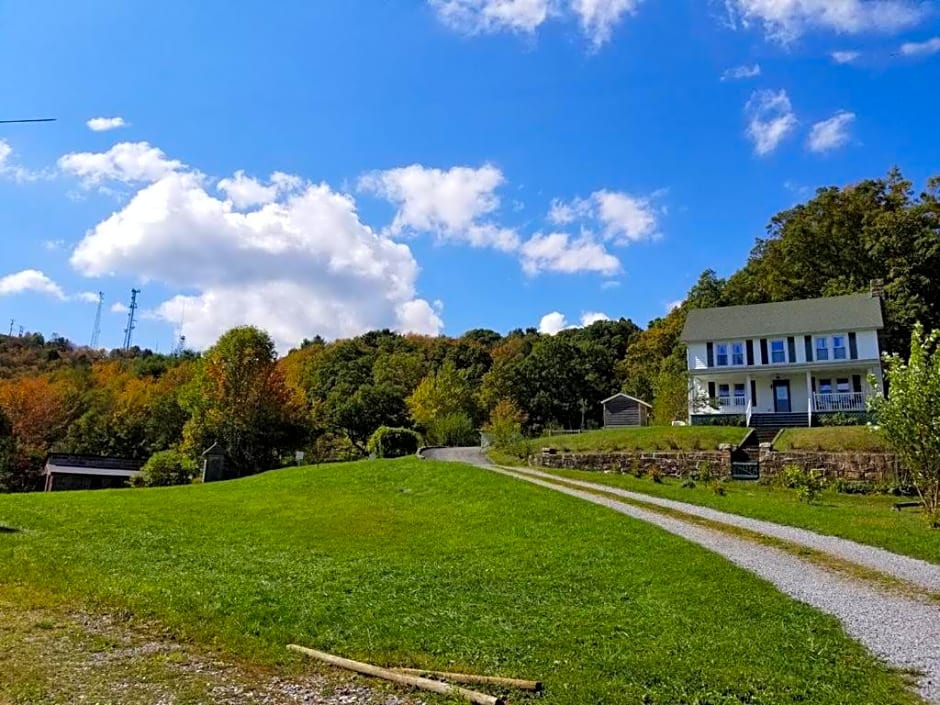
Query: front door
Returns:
{"type": "Point", "coordinates": [782, 396]}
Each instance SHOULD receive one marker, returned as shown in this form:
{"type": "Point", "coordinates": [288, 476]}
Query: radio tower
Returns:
{"type": "Point", "coordinates": [96, 330]}
{"type": "Point", "coordinates": [132, 309]}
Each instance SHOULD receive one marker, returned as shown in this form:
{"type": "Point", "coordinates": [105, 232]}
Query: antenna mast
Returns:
{"type": "Point", "coordinates": [132, 309]}
{"type": "Point", "coordinates": [96, 330]}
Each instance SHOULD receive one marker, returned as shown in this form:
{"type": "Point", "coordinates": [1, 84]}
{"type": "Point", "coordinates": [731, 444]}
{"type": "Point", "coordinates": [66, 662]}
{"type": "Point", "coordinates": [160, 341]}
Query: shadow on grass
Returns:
{"type": "Point", "coordinates": [8, 530]}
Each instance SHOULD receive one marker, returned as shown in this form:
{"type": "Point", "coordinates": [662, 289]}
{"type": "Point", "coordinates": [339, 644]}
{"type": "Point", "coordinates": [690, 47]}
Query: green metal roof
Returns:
{"type": "Point", "coordinates": [832, 314]}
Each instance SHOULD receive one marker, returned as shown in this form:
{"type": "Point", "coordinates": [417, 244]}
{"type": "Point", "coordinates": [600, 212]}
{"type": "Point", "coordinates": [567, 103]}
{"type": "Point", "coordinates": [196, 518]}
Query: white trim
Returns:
{"type": "Point", "coordinates": [626, 396]}
{"type": "Point", "coordinates": [100, 472]}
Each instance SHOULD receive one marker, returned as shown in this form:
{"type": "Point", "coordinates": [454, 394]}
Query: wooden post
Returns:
{"type": "Point", "coordinates": [414, 681]}
{"type": "Point", "coordinates": [518, 683]}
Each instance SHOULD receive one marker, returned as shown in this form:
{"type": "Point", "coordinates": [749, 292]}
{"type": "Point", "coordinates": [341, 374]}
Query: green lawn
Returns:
{"type": "Point", "coordinates": [867, 519]}
{"type": "Point", "coordinates": [832, 438]}
{"type": "Point", "coordinates": [441, 566]}
{"type": "Point", "coordinates": [646, 439]}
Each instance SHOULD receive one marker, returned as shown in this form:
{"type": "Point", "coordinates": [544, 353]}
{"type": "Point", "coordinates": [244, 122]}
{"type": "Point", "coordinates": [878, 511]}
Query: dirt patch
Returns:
{"type": "Point", "coordinates": [57, 657]}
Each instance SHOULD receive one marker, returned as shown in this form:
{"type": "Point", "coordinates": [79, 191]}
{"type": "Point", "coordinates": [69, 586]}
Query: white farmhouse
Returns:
{"type": "Point", "coordinates": [783, 364]}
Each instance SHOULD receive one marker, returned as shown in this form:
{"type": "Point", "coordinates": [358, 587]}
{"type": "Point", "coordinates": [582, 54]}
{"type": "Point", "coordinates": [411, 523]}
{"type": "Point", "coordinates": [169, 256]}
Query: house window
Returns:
{"type": "Point", "coordinates": [778, 352]}
{"type": "Point", "coordinates": [739, 395]}
{"type": "Point", "coordinates": [721, 355]}
{"type": "Point", "coordinates": [822, 348]}
{"type": "Point", "coordinates": [842, 385]}
{"type": "Point", "coordinates": [838, 347]}
{"type": "Point", "coordinates": [737, 353]}
{"type": "Point", "coordinates": [724, 394]}
{"type": "Point", "coordinates": [825, 386]}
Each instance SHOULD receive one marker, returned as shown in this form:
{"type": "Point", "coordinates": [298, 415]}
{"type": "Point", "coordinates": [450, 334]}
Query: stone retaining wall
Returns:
{"type": "Point", "coordinates": [869, 467]}
{"type": "Point", "coordinates": [669, 463]}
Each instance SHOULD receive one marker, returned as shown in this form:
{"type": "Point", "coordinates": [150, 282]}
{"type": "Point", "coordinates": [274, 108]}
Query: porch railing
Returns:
{"type": "Point", "coordinates": [840, 401]}
{"type": "Point", "coordinates": [737, 402]}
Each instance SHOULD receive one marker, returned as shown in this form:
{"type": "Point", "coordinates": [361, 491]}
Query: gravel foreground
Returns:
{"type": "Point", "coordinates": [903, 631]}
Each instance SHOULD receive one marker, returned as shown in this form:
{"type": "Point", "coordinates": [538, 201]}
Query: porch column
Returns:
{"type": "Point", "coordinates": [747, 391]}
{"type": "Point", "coordinates": [809, 398]}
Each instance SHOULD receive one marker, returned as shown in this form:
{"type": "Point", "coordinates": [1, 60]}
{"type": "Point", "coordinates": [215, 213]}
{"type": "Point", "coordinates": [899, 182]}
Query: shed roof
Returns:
{"type": "Point", "coordinates": [621, 394]}
{"type": "Point", "coordinates": [834, 313]}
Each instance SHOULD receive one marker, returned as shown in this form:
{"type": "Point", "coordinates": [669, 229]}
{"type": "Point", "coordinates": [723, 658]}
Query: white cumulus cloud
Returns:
{"type": "Point", "coordinates": [103, 124]}
{"type": "Point", "coordinates": [740, 72]}
{"type": "Point", "coordinates": [787, 20]}
{"type": "Point", "coordinates": [448, 203]}
{"type": "Point", "coordinates": [926, 48]}
{"type": "Point", "coordinates": [30, 280]}
{"type": "Point", "coordinates": [770, 120]}
{"type": "Point", "coordinates": [127, 162]}
{"type": "Point", "coordinates": [558, 252]}
{"type": "Point", "coordinates": [596, 18]}
{"type": "Point", "coordinates": [302, 265]}
{"type": "Point", "coordinates": [15, 172]}
{"type": "Point", "coordinates": [831, 134]}
{"type": "Point", "coordinates": [118, 307]}
{"type": "Point", "coordinates": [599, 17]}
{"type": "Point", "coordinates": [479, 16]}
{"type": "Point", "coordinates": [246, 191]}
{"type": "Point", "coordinates": [846, 57]}
{"type": "Point", "coordinates": [625, 218]}
{"type": "Point", "coordinates": [88, 297]}
{"type": "Point", "coordinates": [555, 322]}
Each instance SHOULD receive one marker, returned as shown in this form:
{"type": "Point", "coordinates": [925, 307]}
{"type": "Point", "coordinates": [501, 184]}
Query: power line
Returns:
{"type": "Point", "coordinates": [9, 122]}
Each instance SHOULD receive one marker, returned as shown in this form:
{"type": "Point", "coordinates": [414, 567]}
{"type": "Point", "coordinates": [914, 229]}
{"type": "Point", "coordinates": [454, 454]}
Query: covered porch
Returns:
{"type": "Point", "coordinates": [781, 397]}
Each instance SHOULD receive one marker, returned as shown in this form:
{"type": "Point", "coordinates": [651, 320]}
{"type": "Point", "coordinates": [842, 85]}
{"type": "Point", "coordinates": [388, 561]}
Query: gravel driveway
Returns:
{"type": "Point", "coordinates": [904, 631]}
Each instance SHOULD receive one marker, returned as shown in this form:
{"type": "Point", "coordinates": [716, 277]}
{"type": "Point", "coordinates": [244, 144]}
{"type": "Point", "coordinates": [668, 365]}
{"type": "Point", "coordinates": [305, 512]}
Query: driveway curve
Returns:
{"type": "Point", "coordinates": [902, 630]}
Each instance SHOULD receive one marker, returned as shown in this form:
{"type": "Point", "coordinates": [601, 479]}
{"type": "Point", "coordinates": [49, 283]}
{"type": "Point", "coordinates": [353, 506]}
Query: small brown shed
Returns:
{"type": "Point", "coordinates": [65, 471]}
{"type": "Point", "coordinates": [621, 410]}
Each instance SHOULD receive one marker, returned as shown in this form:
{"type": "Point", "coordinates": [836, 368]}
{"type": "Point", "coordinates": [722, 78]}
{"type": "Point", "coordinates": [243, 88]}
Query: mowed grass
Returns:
{"type": "Point", "coordinates": [440, 566]}
{"type": "Point", "coordinates": [868, 519]}
{"type": "Point", "coordinates": [832, 439]}
{"type": "Point", "coordinates": [647, 438]}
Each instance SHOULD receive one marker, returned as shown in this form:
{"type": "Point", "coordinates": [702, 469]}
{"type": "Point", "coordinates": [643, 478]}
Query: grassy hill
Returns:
{"type": "Point", "coordinates": [445, 566]}
{"type": "Point", "coordinates": [834, 439]}
{"type": "Point", "coordinates": [648, 438]}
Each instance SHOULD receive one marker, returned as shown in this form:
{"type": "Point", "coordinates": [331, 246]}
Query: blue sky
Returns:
{"type": "Point", "coordinates": [330, 167]}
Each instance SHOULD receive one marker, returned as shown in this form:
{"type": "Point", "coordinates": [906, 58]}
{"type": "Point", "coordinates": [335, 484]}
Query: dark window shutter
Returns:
{"type": "Point", "coordinates": [750, 352]}
{"type": "Point", "coordinates": [853, 347]}
{"type": "Point", "coordinates": [753, 393]}
{"type": "Point", "coordinates": [791, 344]}
{"type": "Point", "coordinates": [857, 384]}
{"type": "Point", "coordinates": [814, 385]}
{"type": "Point", "coordinates": [710, 354]}
{"type": "Point", "coordinates": [808, 341]}
{"type": "Point", "coordinates": [763, 351]}
{"type": "Point", "coordinates": [711, 390]}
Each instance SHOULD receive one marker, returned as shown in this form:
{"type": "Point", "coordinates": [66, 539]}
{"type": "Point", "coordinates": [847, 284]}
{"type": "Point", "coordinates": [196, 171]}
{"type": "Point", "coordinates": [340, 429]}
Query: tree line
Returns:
{"type": "Point", "coordinates": [328, 397]}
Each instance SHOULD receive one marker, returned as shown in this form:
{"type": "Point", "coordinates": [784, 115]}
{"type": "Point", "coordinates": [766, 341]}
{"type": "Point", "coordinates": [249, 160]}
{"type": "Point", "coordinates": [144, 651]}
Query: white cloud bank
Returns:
{"type": "Point", "coordinates": [126, 162]}
{"type": "Point", "coordinates": [741, 72]}
{"type": "Point", "coordinates": [831, 134]}
{"type": "Point", "coordinates": [30, 280]}
{"type": "Point", "coordinates": [298, 262]}
{"type": "Point", "coordinates": [926, 48]}
{"type": "Point", "coordinates": [555, 322]}
{"type": "Point", "coordinates": [103, 124]}
{"type": "Point", "coordinates": [596, 18]}
{"type": "Point", "coordinates": [787, 20]}
{"type": "Point", "coordinates": [770, 120]}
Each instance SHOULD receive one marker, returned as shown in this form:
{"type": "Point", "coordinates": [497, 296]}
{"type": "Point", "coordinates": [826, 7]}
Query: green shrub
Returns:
{"type": "Point", "coordinates": [720, 420]}
{"type": "Point", "coordinates": [165, 468]}
{"type": "Point", "coordinates": [841, 418]}
{"type": "Point", "coordinates": [390, 442]}
{"type": "Point", "coordinates": [809, 483]}
{"type": "Point", "coordinates": [454, 429]}
{"type": "Point", "coordinates": [705, 472]}
{"type": "Point", "coordinates": [844, 486]}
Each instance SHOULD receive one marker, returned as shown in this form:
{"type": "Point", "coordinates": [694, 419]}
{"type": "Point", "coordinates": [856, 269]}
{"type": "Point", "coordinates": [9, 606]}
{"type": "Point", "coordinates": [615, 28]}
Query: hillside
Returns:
{"type": "Point", "coordinates": [442, 566]}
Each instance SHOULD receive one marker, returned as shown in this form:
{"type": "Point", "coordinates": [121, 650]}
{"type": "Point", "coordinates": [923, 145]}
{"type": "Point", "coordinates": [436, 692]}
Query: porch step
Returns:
{"type": "Point", "coordinates": [760, 435]}
{"type": "Point", "coordinates": [778, 421]}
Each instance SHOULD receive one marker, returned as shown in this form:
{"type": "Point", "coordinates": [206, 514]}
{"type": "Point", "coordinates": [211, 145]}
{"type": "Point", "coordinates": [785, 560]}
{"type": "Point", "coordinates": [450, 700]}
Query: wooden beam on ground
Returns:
{"type": "Point", "coordinates": [414, 681]}
{"type": "Point", "coordinates": [518, 683]}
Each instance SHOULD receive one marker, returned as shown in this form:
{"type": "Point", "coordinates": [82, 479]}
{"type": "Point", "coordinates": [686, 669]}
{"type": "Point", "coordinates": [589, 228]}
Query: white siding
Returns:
{"type": "Point", "coordinates": [698, 356]}
{"type": "Point", "coordinates": [867, 342]}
